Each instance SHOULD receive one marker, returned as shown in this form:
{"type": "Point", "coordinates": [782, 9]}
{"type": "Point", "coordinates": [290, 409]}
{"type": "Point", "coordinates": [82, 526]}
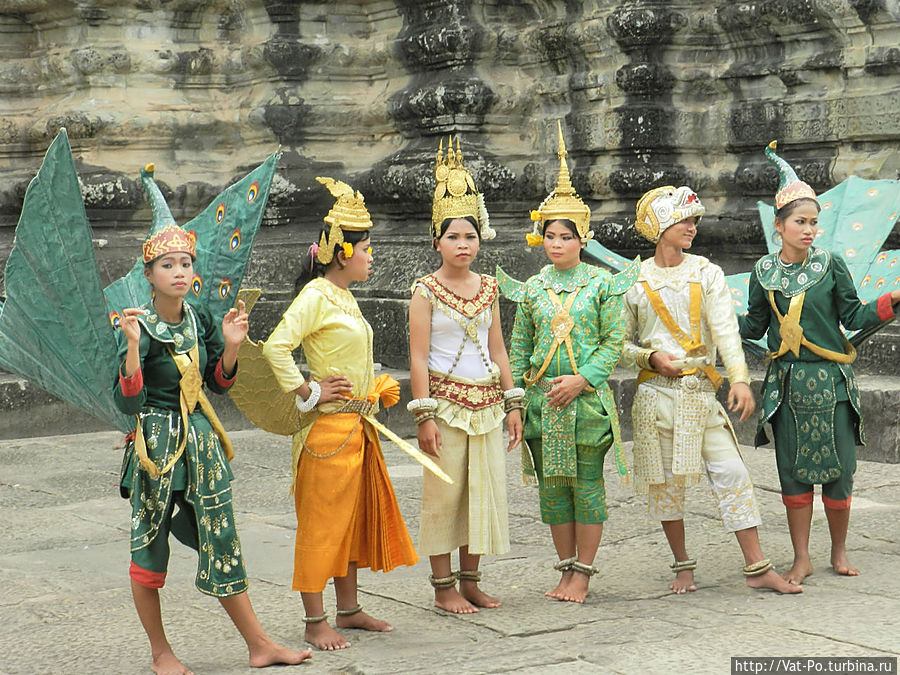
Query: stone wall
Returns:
{"type": "Point", "coordinates": [650, 92]}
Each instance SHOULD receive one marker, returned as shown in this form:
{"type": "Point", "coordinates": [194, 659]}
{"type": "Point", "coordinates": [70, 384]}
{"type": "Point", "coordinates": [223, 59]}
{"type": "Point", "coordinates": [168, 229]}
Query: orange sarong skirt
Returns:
{"type": "Point", "coordinates": [346, 507]}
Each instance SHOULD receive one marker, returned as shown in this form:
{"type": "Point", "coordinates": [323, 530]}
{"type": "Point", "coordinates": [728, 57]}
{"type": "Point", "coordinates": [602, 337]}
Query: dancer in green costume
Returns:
{"type": "Point", "coordinates": [169, 348]}
{"type": "Point", "coordinates": [566, 340]}
{"type": "Point", "coordinates": [801, 295]}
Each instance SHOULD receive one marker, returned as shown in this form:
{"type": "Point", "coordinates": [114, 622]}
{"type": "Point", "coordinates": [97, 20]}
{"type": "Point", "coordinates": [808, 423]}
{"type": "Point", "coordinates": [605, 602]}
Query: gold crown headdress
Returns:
{"type": "Point", "coordinates": [561, 204]}
{"type": "Point", "coordinates": [660, 208]}
{"type": "Point", "coordinates": [455, 195]}
{"type": "Point", "coordinates": [348, 213]}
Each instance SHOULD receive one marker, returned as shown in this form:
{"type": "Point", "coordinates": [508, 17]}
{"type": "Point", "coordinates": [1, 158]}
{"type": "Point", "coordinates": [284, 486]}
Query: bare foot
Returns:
{"type": "Point", "coordinates": [684, 582]}
{"type": "Point", "coordinates": [470, 591]}
{"type": "Point", "coordinates": [324, 637]}
{"type": "Point", "coordinates": [561, 586]}
{"type": "Point", "coordinates": [363, 621]}
{"type": "Point", "coordinates": [802, 568]}
{"type": "Point", "coordinates": [450, 600]}
{"type": "Point", "coordinates": [167, 663]}
{"type": "Point", "coordinates": [576, 589]}
{"type": "Point", "coordinates": [270, 653]}
{"type": "Point", "coordinates": [773, 581]}
{"type": "Point", "coordinates": [841, 565]}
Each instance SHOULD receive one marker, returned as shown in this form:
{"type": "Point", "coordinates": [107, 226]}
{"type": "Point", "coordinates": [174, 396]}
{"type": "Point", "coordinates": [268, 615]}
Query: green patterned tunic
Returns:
{"type": "Point", "coordinates": [202, 472]}
{"type": "Point", "coordinates": [590, 421]}
{"type": "Point", "coordinates": [810, 387]}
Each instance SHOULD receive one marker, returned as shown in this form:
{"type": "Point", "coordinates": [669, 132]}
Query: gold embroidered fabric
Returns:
{"type": "Point", "coordinates": [645, 330]}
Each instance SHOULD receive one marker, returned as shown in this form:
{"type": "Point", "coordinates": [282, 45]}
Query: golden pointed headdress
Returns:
{"type": "Point", "coordinates": [348, 213]}
{"type": "Point", "coordinates": [455, 195]}
{"type": "Point", "coordinates": [561, 204]}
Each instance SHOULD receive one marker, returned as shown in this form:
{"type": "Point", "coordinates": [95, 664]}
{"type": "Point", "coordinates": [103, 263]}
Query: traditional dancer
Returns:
{"type": "Point", "coordinates": [801, 295]}
{"type": "Point", "coordinates": [566, 340]}
{"type": "Point", "coordinates": [72, 352]}
{"type": "Point", "coordinates": [347, 513]}
{"type": "Point", "coordinates": [168, 350]}
{"type": "Point", "coordinates": [462, 387]}
{"type": "Point", "coordinates": [678, 316]}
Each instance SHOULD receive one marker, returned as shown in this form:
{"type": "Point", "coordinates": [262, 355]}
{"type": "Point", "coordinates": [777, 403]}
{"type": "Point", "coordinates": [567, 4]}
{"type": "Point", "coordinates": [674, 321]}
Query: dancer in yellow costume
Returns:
{"type": "Point", "coordinates": [566, 340]}
{"type": "Point", "coordinates": [677, 316]}
{"type": "Point", "coordinates": [347, 513]}
{"type": "Point", "coordinates": [462, 387]}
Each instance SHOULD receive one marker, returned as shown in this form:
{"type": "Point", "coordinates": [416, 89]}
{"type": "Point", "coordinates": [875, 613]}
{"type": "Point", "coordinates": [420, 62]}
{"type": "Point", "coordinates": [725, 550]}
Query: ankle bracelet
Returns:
{"type": "Point", "coordinates": [443, 582]}
{"type": "Point", "coordinates": [565, 565]}
{"type": "Point", "coordinates": [684, 565]}
{"type": "Point", "coordinates": [314, 619]}
{"type": "Point", "coordinates": [349, 612]}
{"type": "Point", "coordinates": [758, 568]}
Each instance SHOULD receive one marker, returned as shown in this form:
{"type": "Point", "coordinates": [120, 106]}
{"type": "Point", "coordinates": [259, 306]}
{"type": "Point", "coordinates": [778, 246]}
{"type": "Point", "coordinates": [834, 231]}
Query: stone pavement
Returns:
{"type": "Point", "coordinates": [66, 606]}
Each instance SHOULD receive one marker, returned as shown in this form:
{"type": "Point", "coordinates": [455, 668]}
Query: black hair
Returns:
{"type": "Point", "coordinates": [446, 223]}
{"type": "Point", "coordinates": [570, 225]}
{"type": "Point", "coordinates": [786, 210]}
{"type": "Point", "coordinates": [311, 267]}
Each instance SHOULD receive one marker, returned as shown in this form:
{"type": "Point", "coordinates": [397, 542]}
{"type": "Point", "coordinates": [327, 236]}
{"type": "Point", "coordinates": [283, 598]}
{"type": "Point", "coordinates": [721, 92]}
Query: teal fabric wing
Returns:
{"type": "Point", "coordinates": [512, 289]}
{"type": "Point", "coordinates": [609, 258]}
{"type": "Point", "coordinates": [857, 216]}
{"type": "Point", "coordinates": [622, 281]}
{"type": "Point", "coordinates": [54, 326]}
{"type": "Point", "coordinates": [225, 230]}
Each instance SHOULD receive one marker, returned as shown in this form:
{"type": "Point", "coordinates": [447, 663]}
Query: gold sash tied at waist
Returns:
{"type": "Point", "coordinates": [191, 394]}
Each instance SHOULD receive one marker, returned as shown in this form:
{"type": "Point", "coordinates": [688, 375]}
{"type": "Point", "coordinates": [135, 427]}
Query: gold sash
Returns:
{"type": "Point", "coordinates": [792, 334]}
{"type": "Point", "coordinates": [191, 386]}
{"type": "Point", "coordinates": [692, 344]}
{"type": "Point", "coordinates": [561, 325]}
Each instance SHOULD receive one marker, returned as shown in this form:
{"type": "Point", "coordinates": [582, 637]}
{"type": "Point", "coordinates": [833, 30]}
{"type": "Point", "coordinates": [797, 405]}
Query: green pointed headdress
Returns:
{"type": "Point", "coordinates": [165, 235]}
{"type": "Point", "coordinates": [790, 187]}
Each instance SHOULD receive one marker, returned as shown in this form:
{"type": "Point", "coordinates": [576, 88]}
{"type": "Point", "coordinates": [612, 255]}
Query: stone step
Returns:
{"type": "Point", "coordinates": [26, 411]}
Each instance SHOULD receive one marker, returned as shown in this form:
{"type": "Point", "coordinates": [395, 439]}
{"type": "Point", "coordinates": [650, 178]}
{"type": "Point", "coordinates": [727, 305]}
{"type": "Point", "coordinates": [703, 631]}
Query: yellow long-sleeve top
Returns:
{"type": "Point", "coordinates": [336, 340]}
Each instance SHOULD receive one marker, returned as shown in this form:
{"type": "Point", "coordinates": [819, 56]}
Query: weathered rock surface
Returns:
{"type": "Point", "coordinates": [650, 92]}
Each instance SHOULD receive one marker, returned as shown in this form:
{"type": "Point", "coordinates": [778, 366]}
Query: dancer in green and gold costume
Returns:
{"type": "Point", "coordinates": [802, 295]}
{"type": "Point", "coordinates": [566, 340]}
{"type": "Point", "coordinates": [168, 349]}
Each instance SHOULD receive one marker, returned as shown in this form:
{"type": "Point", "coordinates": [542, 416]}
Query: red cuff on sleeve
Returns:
{"type": "Point", "coordinates": [221, 380]}
{"type": "Point", "coordinates": [131, 386]}
{"type": "Point", "coordinates": [885, 308]}
{"type": "Point", "coordinates": [146, 578]}
{"type": "Point", "coordinates": [836, 504]}
{"type": "Point", "coordinates": [797, 501]}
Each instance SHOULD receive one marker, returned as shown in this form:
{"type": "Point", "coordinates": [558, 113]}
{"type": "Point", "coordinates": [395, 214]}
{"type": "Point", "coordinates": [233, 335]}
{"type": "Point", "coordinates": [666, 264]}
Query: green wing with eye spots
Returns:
{"type": "Point", "coordinates": [225, 231]}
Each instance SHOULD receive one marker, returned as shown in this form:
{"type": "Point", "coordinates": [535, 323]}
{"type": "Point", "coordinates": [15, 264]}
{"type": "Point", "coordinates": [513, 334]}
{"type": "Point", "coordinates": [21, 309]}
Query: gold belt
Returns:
{"type": "Point", "coordinates": [357, 406]}
{"type": "Point", "coordinates": [695, 382]}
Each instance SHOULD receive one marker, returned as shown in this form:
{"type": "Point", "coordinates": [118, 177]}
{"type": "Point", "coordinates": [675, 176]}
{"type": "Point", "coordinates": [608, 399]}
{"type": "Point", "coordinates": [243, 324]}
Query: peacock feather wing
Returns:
{"type": "Point", "coordinates": [54, 327]}
{"type": "Point", "coordinates": [256, 392]}
{"type": "Point", "coordinates": [225, 231]}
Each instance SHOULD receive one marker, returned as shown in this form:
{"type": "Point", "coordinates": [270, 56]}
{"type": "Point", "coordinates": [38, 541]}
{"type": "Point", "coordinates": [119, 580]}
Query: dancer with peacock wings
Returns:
{"type": "Point", "coordinates": [57, 327]}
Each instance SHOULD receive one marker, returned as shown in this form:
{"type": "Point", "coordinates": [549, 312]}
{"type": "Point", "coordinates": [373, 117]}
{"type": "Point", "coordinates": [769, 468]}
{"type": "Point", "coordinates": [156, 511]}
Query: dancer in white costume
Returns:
{"type": "Point", "coordinates": [463, 387]}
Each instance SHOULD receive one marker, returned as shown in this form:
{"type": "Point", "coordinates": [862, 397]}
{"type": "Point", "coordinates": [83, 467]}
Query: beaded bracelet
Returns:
{"type": "Point", "coordinates": [424, 416]}
{"type": "Point", "coordinates": [513, 404]}
{"type": "Point", "coordinates": [515, 392]}
{"type": "Point", "coordinates": [315, 391]}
